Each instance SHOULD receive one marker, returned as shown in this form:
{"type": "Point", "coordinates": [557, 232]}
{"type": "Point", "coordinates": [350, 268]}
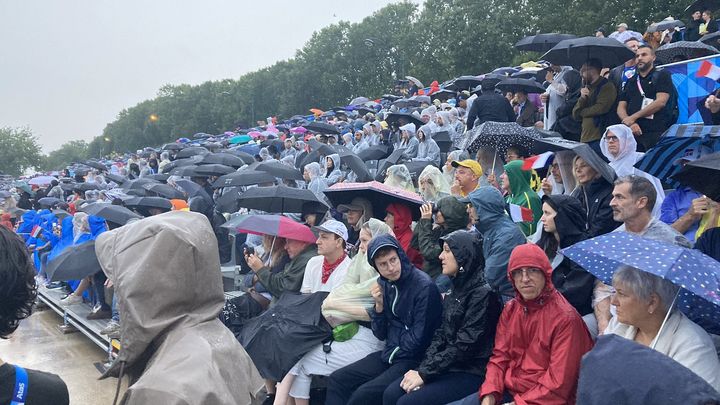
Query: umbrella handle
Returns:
{"type": "Point", "coordinates": [492, 170]}
{"type": "Point", "coordinates": [667, 315]}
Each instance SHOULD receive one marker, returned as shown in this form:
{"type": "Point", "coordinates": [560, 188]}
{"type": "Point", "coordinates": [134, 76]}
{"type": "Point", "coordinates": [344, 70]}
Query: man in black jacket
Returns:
{"type": "Point", "coordinates": [489, 106]}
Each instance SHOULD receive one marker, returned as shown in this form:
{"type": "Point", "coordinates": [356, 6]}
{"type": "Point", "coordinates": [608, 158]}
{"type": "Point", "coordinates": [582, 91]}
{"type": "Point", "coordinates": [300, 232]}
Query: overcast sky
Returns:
{"type": "Point", "coordinates": [69, 67]}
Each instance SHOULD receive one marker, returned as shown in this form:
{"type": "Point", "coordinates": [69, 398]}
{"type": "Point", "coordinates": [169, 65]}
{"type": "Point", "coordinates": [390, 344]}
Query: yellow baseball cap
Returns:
{"type": "Point", "coordinates": [470, 164]}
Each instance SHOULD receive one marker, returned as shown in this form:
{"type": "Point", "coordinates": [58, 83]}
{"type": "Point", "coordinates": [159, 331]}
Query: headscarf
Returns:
{"type": "Point", "coordinates": [399, 176]}
{"type": "Point", "coordinates": [439, 188]}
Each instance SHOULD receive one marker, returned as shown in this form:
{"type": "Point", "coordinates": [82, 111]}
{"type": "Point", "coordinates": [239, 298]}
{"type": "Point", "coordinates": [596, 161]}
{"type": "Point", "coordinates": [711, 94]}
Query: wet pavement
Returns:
{"type": "Point", "coordinates": [39, 345]}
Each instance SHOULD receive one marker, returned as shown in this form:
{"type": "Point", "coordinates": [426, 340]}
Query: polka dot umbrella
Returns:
{"type": "Point", "coordinates": [497, 135]}
{"type": "Point", "coordinates": [697, 274]}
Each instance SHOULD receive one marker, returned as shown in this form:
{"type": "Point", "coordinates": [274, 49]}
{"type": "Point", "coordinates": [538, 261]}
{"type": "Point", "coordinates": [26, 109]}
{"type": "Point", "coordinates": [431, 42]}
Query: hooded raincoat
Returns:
{"type": "Point", "coordinates": [595, 198]}
{"type": "Point", "coordinates": [412, 308]}
{"type": "Point", "coordinates": [317, 183]}
{"type": "Point", "coordinates": [336, 174]}
{"type": "Point", "coordinates": [403, 232]}
{"type": "Point", "coordinates": [436, 186]}
{"type": "Point", "coordinates": [522, 194]}
{"type": "Point", "coordinates": [399, 176]}
{"type": "Point", "coordinates": [573, 282]}
{"type": "Point", "coordinates": [500, 236]}
{"type": "Point", "coordinates": [464, 340]}
{"type": "Point", "coordinates": [428, 149]}
{"type": "Point", "coordinates": [426, 238]}
{"type": "Point", "coordinates": [539, 343]}
{"type": "Point", "coordinates": [174, 348]}
{"type": "Point", "coordinates": [410, 144]}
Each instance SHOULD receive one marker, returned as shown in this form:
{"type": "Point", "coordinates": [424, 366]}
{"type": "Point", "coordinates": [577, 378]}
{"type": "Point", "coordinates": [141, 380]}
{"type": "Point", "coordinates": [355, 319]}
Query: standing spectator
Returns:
{"type": "Point", "coordinates": [596, 100]}
{"type": "Point", "coordinates": [692, 28]}
{"type": "Point", "coordinates": [526, 110]}
{"type": "Point", "coordinates": [620, 75]}
{"type": "Point", "coordinates": [407, 311]}
{"type": "Point", "coordinates": [708, 25]}
{"type": "Point", "coordinates": [645, 101]}
{"type": "Point", "coordinates": [489, 106]}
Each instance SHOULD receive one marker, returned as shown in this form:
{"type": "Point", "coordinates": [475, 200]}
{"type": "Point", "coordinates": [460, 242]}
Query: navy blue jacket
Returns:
{"type": "Point", "coordinates": [412, 308]}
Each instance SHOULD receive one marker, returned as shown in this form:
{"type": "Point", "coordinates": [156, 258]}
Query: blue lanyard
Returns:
{"type": "Point", "coordinates": [21, 386]}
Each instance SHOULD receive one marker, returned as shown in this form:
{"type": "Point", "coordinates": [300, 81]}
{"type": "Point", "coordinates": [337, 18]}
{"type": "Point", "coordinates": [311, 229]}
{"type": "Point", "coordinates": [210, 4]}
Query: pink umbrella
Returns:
{"type": "Point", "coordinates": [255, 134]}
{"type": "Point", "coordinates": [275, 225]}
{"type": "Point", "coordinates": [298, 130]}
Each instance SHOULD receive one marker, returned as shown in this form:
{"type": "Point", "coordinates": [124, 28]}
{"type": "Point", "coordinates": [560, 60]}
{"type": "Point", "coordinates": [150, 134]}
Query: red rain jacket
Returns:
{"type": "Point", "coordinates": [403, 232]}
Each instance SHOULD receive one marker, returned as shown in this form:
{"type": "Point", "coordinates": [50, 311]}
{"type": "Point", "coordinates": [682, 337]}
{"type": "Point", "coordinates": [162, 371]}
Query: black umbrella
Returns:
{"type": "Point", "coordinates": [465, 83]}
{"type": "Point", "coordinates": [226, 159]}
{"type": "Point", "coordinates": [181, 162]}
{"type": "Point", "coordinates": [665, 25]}
{"type": "Point", "coordinates": [161, 177]}
{"type": "Point", "coordinates": [322, 148]}
{"type": "Point", "coordinates": [404, 118]}
{"type": "Point", "coordinates": [498, 136]}
{"type": "Point", "coordinates": [322, 128]}
{"type": "Point", "coordinates": [376, 152]}
{"type": "Point", "coordinates": [67, 186]}
{"type": "Point", "coordinates": [244, 156]}
{"type": "Point", "coordinates": [138, 192]}
{"type": "Point", "coordinates": [96, 165]}
{"type": "Point", "coordinates": [278, 338]}
{"type": "Point", "coordinates": [443, 140]}
{"type": "Point", "coordinates": [164, 190]}
{"type": "Point", "coordinates": [379, 194]}
{"type": "Point", "coordinates": [74, 263]}
{"type": "Point", "coordinates": [118, 179]}
{"type": "Point", "coordinates": [188, 171]}
{"type": "Point", "coordinates": [712, 39]}
{"type": "Point", "coordinates": [395, 157]}
{"type": "Point", "coordinates": [702, 5]}
{"type": "Point", "coordinates": [173, 146]}
{"type": "Point", "coordinates": [347, 157]}
{"type": "Point", "coordinates": [443, 94]}
{"type": "Point", "coordinates": [138, 183]}
{"type": "Point", "coordinates": [192, 151]}
{"type": "Point", "coordinates": [280, 170]}
{"type": "Point", "coordinates": [85, 187]}
{"type": "Point", "coordinates": [49, 201]}
{"type": "Point", "coordinates": [405, 103]}
{"type": "Point", "coordinates": [515, 85]}
{"type": "Point", "coordinates": [112, 213]}
{"type": "Point", "coordinates": [211, 170]}
{"type": "Point", "coordinates": [702, 176]}
{"type": "Point", "coordinates": [244, 178]}
{"type": "Point", "coordinates": [149, 202]}
{"type": "Point", "coordinates": [228, 201]}
{"type": "Point", "coordinates": [575, 52]}
{"type": "Point", "coordinates": [557, 144]}
{"type": "Point", "coordinates": [541, 42]}
{"type": "Point", "coordinates": [276, 199]}
{"type": "Point", "coordinates": [61, 214]}
{"type": "Point", "coordinates": [684, 50]}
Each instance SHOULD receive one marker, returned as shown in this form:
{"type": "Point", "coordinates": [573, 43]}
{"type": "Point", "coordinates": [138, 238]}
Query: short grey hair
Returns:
{"type": "Point", "coordinates": [640, 187]}
{"type": "Point", "coordinates": [643, 284]}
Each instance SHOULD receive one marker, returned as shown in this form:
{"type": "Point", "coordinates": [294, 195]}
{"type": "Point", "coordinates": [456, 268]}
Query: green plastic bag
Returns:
{"type": "Point", "coordinates": [346, 331]}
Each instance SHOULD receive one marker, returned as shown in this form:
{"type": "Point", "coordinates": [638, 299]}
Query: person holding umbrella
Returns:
{"type": "Point", "coordinates": [642, 300]}
{"type": "Point", "coordinates": [692, 28]}
{"type": "Point", "coordinates": [597, 98]}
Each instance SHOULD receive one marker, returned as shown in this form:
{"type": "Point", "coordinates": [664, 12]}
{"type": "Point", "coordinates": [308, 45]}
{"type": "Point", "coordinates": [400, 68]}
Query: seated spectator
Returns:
{"type": "Point", "coordinates": [348, 303]}
{"type": "Point", "coordinates": [290, 278]}
{"type": "Point", "coordinates": [448, 170]}
{"type": "Point", "coordinates": [313, 175]}
{"type": "Point", "coordinates": [327, 270]}
{"type": "Point", "coordinates": [596, 99]}
{"type": "Point", "coordinates": [709, 243]}
{"type": "Point", "coordinates": [467, 175]}
{"type": "Point", "coordinates": [407, 311]}
{"type": "Point", "coordinates": [360, 143]}
{"type": "Point", "coordinates": [428, 149]}
{"type": "Point", "coordinates": [432, 185]}
{"type": "Point", "coordinates": [642, 301]}
{"type": "Point", "coordinates": [332, 170]}
{"type": "Point", "coordinates": [408, 141]}
{"type": "Point", "coordinates": [500, 236]}
{"type": "Point", "coordinates": [619, 147]}
{"type": "Point", "coordinates": [356, 213]}
{"type": "Point", "coordinates": [539, 342]}
{"type": "Point", "coordinates": [450, 216]}
{"type": "Point", "coordinates": [174, 347]}
{"type": "Point", "coordinates": [594, 193]}
{"type": "Point", "coordinates": [516, 184]}
{"type": "Point", "coordinates": [17, 294]}
{"type": "Point", "coordinates": [526, 110]}
{"type": "Point", "coordinates": [559, 180]}
{"type": "Point", "coordinates": [563, 223]}
{"type": "Point", "coordinates": [399, 218]}
{"type": "Point", "coordinates": [399, 176]}
{"type": "Point", "coordinates": [454, 364]}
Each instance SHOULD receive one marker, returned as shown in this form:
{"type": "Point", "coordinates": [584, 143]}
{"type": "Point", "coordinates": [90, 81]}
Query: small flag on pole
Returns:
{"type": "Point", "coordinates": [520, 214]}
{"type": "Point", "coordinates": [709, 70]}
{"type": "Point", "coordinates": [537, 161]}
{"type": "Point", "coordinates": [36, 231]}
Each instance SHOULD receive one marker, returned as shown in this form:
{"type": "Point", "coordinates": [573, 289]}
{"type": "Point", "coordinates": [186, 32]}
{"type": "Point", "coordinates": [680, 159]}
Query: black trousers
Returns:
{"type": "Point", "coordinates": [365, 381]}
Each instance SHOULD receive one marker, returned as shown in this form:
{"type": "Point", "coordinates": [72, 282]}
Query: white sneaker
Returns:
{"type": "Point", "coordinates": [71, 299]}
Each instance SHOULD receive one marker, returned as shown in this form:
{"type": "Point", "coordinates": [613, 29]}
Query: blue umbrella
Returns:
{"type": "Point", "coordinates": [696, 273]}
{"type": "Point", "coordinates": [675, 142]}
{"type": "Point", "coordinates": [250, 148]}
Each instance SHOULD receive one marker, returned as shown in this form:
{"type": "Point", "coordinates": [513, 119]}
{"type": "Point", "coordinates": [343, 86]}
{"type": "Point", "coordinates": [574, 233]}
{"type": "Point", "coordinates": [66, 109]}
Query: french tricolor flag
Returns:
{"type": "Point", "coordinates": [520, 214]}
{"type": "Point", "coordinates": [537, 161]}
{"type": "Point", "coordinates": [709, 70]}
{"type": "Point", "coordinates": [36, 231]}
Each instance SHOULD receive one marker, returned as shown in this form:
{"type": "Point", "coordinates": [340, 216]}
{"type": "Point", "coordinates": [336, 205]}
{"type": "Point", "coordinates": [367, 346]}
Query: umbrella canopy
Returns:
{"type": "Point", "coordinates": [701, 5]}
{"type": "Point", "coordinates": [188, 171]}
{"type": "Point", "coordinates": [138, 183]}
{"type": "Point", "coordinates": [173, 146]}
{"type": "Point", "coordinates": [443, 94]}
{"type": "Point", "coordinates": [465, 83]}
{"type": "Point", "coordinates": [376, 152]}
{"type": "Point", "coordinates": [96, 165]}
{"type": "Point", "coordinates": [395, 157]}
{"type": "Point", "coordinates": [684, 50]}
{"type": "Point", "coordinates": [244, 156]}
{"type": "Point", "coordinates": [674, 144]}
{"type": "Point", "coordinates": [74, 263]}
{"type": "Point", "coordinates": [192, 151]}
{"type": "Point", "coordinates": [575, 52]}
{"type": "Point", "coordinates": [415, 81]}
{"type": "Point", "coordinates": [404, 118]}
{"type": "Point", "coordinates": [276, 199]}
{"type": "Point", "coordinates": [711, 39]}
{"type": "Point", "coordinates": [5, 194]}
{"type": "Point", "coordinates": [212, 170]}
{"type": "Point", "coordinates": [86, 187]}
{"type": "Point", "coordinates": [61, 214]}
{"type": "Point", "coordinates": [274, 225]}
{"type": "Point", "coordinates": [541, 42]}
{"type": "Point", "coordinates": [149, 202]}
{"type": "Point", "coordinates": [379, 195]}
{"type": "Point", "coordinates": [181, 162]}
{"type": "Point", "coordinates": [278, 338]}
{"type": "Point", "coordinates": [49, 201]}
{"type": "Point", "coordinates": [499, 136]}
{"type": "Point", "coordinates": [227, 159]}
{"type": "Point", "coordinates": [702, 175]}
{"type": "Point", "coordinates": [353, 161]}
{"type": "Point", "coordinates": [280, 170]}
{"type": "Point", "coordinates": [41, 180]}
{"type": "Point", "coordinates": [696, 273]}
{"type": "Point", "coordinates": [406, 103]}
{"type": "Point", "coordinates": [161, 177]}
{"type": "Point", "coordinates": [244, 178]}
{"type": "Point", "coordinates": [164, 190]}
{"type": "Point", "coordinates": [359, 101]}
{"type": "Point", "coordinates": [515, 85]}
{"type": "Point", "coordinates": [665, 25]}
{"type": "Point", "coordinates": [322, 128]}
{"type": "Point", "coordinates": [556, 144]}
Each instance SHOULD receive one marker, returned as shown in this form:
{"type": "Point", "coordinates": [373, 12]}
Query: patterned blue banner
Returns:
{"type": "Point", "coordinates": [694, 81]}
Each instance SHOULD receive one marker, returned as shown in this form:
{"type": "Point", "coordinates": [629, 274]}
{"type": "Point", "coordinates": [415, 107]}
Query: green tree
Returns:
{"type": "Point", "coordinates": [69, 152]}
{"type": "Point", "coordinates": [19, 150]}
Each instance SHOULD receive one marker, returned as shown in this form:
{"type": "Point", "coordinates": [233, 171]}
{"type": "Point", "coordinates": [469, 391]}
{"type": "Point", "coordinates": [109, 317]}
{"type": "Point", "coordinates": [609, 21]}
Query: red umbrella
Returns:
{"type": "Point", "coordinates": [275, 225]}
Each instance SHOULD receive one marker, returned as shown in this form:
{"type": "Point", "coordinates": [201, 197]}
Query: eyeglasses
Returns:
{"type": "Point", "coordinates": [531, 273]}
{"type": "Point", "coordinates": [611, 138]}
